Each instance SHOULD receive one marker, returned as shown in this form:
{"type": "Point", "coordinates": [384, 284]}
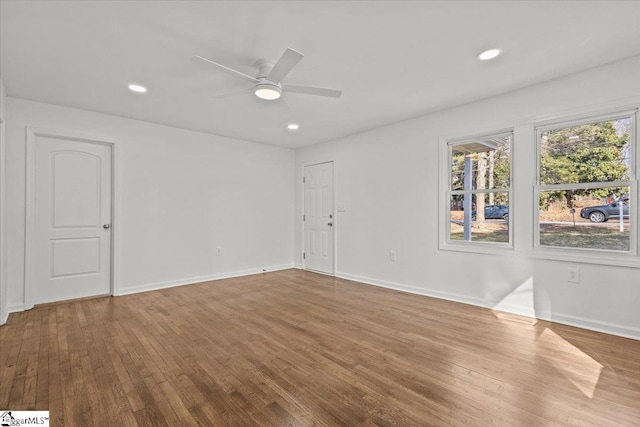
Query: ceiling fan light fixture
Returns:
{"type": "Point", "coordinates": [293, 126]}
{"type": "Point", "coordinates": [267, 91]}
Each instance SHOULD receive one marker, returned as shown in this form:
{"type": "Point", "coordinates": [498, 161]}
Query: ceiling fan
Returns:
{"type": "Point", "coordinates": [267, 84]}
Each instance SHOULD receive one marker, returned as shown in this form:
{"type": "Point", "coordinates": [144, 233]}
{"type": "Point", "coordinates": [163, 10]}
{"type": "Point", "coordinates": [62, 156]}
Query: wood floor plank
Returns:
{"type": "Point", "coordinates": [298, 348]}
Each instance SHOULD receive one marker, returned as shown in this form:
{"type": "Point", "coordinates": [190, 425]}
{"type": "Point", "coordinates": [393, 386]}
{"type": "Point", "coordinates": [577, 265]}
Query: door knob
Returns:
{"type": "Point", "coordinates": [106, 226]}
{"type": "Point", "coordinates": [330, 224]}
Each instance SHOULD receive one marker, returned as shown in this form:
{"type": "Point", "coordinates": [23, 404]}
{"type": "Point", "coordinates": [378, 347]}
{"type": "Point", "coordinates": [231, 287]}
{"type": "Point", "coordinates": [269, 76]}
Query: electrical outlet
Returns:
{"type": "Point", "coordinates": [392, 256]}
{"type": "Point", "coordinates": [573, 275]}
{"type": "Point", "coordinates": [219, 251]}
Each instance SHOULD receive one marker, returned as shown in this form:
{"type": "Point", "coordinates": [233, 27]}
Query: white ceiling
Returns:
{"type": "Point", "coordinates": [394, 60]}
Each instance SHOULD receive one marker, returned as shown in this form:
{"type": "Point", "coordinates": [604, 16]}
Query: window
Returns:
{"type": "Point", "coordinates": [479, 191]}
{"type": "Point", "coordinates": [585, 185]}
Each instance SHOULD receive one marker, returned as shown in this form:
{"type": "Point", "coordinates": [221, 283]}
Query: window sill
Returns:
{"type": "Point", "coordinates": [487, 248]}
{"type": "Point", "coordinates": [611, 258]}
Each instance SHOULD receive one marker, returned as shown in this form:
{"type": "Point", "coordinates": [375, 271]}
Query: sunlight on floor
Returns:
{"type": "Point", "coordinates": [576, 366]}
{"type": "Point", "coordinates": [515, 318]}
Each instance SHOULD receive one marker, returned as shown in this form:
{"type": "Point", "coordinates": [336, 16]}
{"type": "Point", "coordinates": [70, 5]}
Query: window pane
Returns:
{"type": "Point", "coordinates": [595, 152]}
{"type": "Point", "coordinates": [485, 161]}
{"type": "Point", "coordinates": [492, 225]}
{"type": "Point", "coordinates": [600, 219]}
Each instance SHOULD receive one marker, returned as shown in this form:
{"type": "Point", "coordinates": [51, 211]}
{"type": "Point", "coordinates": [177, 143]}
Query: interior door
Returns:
{"type": "Point", "coordinates": [318, 218]}
{"type": "Point", "coordinates": [71, 219]}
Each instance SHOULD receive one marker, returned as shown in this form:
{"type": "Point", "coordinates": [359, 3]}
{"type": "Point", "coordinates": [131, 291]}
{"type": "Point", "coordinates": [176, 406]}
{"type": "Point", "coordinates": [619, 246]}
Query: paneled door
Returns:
{"type": "Point", "coordinates": [71, 219]}
{"type": "Point", "coordinates": [318, 218]}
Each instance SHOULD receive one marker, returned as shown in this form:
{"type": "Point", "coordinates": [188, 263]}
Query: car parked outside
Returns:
{"type": "Point", "coordinates": [602, 213]}
{"type": "Point", "coordinates": [495, 212]}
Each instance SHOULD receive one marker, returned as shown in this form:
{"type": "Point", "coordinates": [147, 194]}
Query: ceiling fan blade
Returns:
{"type": "Point", "coordinates": [310, 90]}
{"type": "Point", "coordinates": [286, 104]}
{"type": "Point", "coordinates": [229, 70]}
{"type": "Point", "coordinates": [232, 93]}
{"type": "Point", "coordinates": [287, 61]}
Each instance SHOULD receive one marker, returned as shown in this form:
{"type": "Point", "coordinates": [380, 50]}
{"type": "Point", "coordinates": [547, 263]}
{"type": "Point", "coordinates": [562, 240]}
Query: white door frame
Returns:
{"type": "Point", "coordinates": [31, 134]}
{"type": "Point", "coordinates": [3, 252]}
{"type": "Point", "coordinates": [336, 224]}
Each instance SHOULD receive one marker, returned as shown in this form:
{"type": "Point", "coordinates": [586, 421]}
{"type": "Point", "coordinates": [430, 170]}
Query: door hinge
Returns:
{"type": "Point", "coordinates": [303, 179]}
{"type": "Point", "coordinates": [304, 255]}
{"type": "Point", "coordinates": [304, 217]}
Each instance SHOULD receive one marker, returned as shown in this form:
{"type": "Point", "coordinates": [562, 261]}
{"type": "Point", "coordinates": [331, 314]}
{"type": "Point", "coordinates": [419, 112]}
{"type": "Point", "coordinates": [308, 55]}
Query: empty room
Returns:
{"type": "Point", "coordinates": [319, 213]}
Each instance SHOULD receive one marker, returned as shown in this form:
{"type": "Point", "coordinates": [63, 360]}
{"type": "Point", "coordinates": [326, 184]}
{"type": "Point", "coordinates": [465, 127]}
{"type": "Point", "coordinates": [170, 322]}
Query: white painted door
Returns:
{"type": "Point", "coordinates": [71, 219]}
{"type": "Point", "coordinates": [318, 218]}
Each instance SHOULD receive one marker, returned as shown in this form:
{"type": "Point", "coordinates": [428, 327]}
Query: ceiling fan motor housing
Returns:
{"type": "Point", "coordinates": [265, 88]}
{"type": "Point", "coordinates": [264, 68]}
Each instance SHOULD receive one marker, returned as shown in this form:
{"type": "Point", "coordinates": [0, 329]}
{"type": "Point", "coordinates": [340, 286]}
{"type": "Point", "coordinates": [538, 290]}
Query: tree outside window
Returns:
{"type": "Point", "coordinates": [584, 185]}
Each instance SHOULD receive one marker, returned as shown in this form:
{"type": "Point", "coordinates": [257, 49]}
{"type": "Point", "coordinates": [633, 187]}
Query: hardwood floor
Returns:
{"type": "Point", "coordinates": [296, 348]}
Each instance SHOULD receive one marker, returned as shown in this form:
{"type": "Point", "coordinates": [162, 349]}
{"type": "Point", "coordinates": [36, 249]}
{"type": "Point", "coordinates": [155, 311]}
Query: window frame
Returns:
{"type": "Point", "coordinates": [446, 243]}
{"type": "Point", "coordinates": [590, 255]}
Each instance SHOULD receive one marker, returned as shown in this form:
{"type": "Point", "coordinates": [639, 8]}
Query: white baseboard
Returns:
{"type": "Point", "coordinates": [593, 325]}
{"type": "Point", "coordinates": [412, 289]}
{"type": "Point", "coordinates": [200, 279]}
{"type": "Point", "coordinates": [579, 322]}
{"type": "Point", "coordinates": [422, 291]}
{"type": "Point", "coordinates": [15, 308]}
{"type": "Point", "coordinates": [510, 308]}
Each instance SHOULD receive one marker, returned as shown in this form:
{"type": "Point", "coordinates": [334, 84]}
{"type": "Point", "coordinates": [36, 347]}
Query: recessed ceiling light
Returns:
{"type": "Point", "coordinates": [488, 54]}
{"type": "Point", "coordinates": [293, 126]}
{"type": "Point", "coordinates": [137, 88]}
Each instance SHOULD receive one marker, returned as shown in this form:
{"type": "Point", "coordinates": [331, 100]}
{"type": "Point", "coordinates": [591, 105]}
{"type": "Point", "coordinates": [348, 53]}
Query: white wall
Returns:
{"type": "Point", "coordinates": [387, 179]}
{"type": "Point", "coordinates": [179, 195]}
{"type": "Point", "coordinates": [3, 290]}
